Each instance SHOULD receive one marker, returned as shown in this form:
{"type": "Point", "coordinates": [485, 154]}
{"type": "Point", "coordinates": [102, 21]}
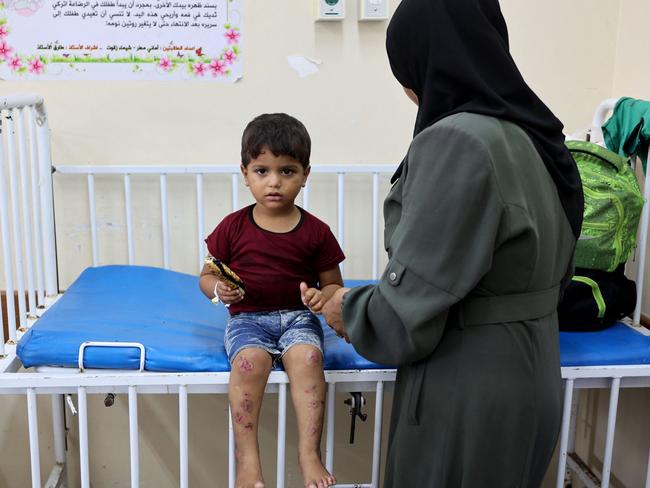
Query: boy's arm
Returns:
{"type": "Point", "coordinates": [329, 281]}
{"type": "Point", "coordinates": [207, 280]}
{"type": "Point", "coordinates": [209, 283]}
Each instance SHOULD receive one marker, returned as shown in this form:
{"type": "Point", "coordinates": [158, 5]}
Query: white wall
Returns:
{"type": "Point", "coordinates": [572, 53]}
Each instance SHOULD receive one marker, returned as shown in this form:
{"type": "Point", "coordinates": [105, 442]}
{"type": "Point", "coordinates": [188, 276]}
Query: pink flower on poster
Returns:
{"type": "Point", "coordinates": [229, 56]}
{"type": "Point", "coordinates": [36, 66]}
{"type": "Point", "coordinates": [165, 63]}
{"type": "Point", "coordinates": [3, 31]}
{"type": "Point", "coordinates": [232, 35]}
{"type": "Point", "coordinates": [5, 50]}
{"type": "Point", "coordinates": [15, 63]}
{"type": "Point", "coordinates": [217, 67]}
{"type": "Point", "coordinates": [199, 69]}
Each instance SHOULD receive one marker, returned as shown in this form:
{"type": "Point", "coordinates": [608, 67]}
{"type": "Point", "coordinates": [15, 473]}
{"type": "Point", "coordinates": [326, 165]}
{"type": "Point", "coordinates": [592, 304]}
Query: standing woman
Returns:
{"type": "Point", "coordinates": [481, 224]}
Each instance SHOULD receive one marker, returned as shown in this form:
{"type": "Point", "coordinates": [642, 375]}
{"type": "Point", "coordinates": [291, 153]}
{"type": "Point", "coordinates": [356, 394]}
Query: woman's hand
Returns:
{"type": "Point", "coordinates": [332, 311]}
{"type": "Point", "coordinates": [227, 295]}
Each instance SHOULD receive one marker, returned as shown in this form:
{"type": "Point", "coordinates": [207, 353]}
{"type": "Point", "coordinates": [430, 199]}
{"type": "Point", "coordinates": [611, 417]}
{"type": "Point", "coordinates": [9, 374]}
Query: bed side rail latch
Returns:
{"type": "Point", "coordinates": [356, 403]}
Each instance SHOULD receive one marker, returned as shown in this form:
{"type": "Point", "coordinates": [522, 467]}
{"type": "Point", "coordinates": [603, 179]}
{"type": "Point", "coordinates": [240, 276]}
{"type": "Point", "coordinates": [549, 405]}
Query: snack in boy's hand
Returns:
{"type": "Point", "coordinates": [224, 273]}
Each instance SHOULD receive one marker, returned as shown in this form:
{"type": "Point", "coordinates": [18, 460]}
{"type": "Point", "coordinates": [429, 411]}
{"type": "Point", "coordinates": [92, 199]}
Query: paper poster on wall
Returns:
{"type": "Point", "coordinates": [121, 40]}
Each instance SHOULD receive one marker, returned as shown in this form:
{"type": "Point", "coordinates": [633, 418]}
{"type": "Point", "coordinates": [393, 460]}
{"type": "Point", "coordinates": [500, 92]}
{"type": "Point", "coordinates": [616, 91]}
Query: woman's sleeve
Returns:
{"type": "Point", "coordinates": [440, 249]}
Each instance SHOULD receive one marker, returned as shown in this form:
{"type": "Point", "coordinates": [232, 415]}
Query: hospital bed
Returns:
{"type": "Point", "coordinates": [106, 335]}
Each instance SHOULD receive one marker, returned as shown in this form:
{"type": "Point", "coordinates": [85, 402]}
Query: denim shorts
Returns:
{"type": "Point", "coordinates": [275, 332]}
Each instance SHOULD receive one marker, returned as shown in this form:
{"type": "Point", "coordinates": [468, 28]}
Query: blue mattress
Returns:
{"type": "Point", "coordinates": [183, 331]}
{"type": "Point", "coordinates": [616, 345]}
{"type": "Point", "coordinates": [161, 309]}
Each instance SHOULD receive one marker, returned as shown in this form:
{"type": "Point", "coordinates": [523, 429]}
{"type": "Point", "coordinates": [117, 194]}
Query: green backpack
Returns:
{"type": "Point", "coordinates": [613, 205]}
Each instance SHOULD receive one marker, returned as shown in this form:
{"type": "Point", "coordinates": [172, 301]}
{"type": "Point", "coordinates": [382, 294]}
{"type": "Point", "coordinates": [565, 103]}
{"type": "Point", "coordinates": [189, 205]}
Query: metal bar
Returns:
{"type": "Point", "coordinates": [15, 220]}
{"type": "Point", "coordinates": [128, 206]}
{"type": "Point", "coordinates": [376, 444]}
{"type": "Point", "coordinates": [6, 249]}
{"type": "Point", "coordinates": [564, 433]}
{"type": "Point", "coordinates": [329, 445]}
{"type": "Point", "coordinates": [611, 426]}
{"type": "Point", "coordinates": [585, 474]}
{"type": "Point", "coordinates": [232, 470]}
{"type": "Point", "coordinates": [340, 216]}
{"type": "Point", "coordinates": [36, 206]}
{"type": "Point", "coordinates": [47, 203]}
{"type": "Point", "coordinates": [32, 418]}
{"type": "Point", "coordinates": [93, 218]}
{"type": "Point", "coordinates": [83, 437]}
{"type": "Point", "coordinates": [133, 437]}
{"type": "Point", "coordinates": [375, 226]}
{"type": "Point", "coordinates": [572, 428]}
{"type": "Point", "coordinates": [647, 473]}
{"type": "Point", "coordinates": [599, 117]}
{"type": "Point", "coordinates": [165, 221]}
{"type": "Point", "coordinates": [56, 478]}
{"type": "Point", "coordinates": [58, 428]}
{"type": "Point", "coordinates": [234, 183]}
{"type": "Point", "coordinates": [20, 100]}
{"type": "Point", "coordinates": [26, 213]}
{"type": "Point", "coordinates": [643, 242]}
{"type": "Point", "coordinates": [282, 433]}
{"type": "Point", "coordinates": [213, 169]}
{"type": "Point", "coordinates": [58, 378]}
{"type": "Point", "coordinates": [2, 330]}
{"type": "Point", "coordinates": [183, 437]}
{"type": "Point", "coordinates": [200, 218]}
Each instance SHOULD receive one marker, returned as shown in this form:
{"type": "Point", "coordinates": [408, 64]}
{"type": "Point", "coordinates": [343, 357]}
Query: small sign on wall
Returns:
{"type": "Point", "coordinates": [121, 40]}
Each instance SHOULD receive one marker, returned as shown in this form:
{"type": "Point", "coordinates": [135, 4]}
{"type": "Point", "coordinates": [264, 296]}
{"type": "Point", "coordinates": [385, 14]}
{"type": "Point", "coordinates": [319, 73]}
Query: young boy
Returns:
{"type": "Point", "coordinates": [288, 261]}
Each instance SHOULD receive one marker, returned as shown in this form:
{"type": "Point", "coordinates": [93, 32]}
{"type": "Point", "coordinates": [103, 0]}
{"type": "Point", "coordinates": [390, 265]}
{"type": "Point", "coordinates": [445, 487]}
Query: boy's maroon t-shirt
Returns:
{"type": "Point", "coordinates": [270, 264]}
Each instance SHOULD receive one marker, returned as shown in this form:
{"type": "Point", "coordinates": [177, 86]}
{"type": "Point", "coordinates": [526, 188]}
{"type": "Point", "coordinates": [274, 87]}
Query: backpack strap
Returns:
{"type": "Point", "coordinates": [508, 308]}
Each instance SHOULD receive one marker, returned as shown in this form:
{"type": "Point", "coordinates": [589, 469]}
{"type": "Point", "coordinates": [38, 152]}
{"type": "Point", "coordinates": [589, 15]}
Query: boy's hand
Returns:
{"type": "Point", "coordinates": [312, 297]}
{"type": "Point", "coordinates": [228, 295]}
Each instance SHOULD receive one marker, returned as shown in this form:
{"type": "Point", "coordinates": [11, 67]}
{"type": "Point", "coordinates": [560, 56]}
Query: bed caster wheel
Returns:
{"type": "Point", "coordinates": [109, 400]}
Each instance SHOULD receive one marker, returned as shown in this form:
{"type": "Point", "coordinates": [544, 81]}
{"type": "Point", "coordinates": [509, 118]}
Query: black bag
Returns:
{"type": "Point", "coordinates": [596, 299]}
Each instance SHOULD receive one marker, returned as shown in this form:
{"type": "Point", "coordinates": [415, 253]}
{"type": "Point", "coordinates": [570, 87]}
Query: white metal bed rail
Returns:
{"type": "Point", "coordinates": [26, 211]}
{"type": "Point", "coordinates": [129, 171]}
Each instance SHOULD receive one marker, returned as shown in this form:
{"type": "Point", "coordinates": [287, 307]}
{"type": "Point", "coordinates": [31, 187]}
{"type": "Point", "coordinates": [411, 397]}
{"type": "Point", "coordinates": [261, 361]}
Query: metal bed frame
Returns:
{"type": "Point", "coordinates": [30, 269]}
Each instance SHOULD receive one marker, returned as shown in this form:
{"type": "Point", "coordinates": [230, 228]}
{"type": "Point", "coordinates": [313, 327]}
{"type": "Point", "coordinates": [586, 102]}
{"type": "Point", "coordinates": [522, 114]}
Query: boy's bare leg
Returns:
{"type": "Point", "coordinates": [304, 365]}
{"type": "Point", "coordinates": [248, 377]}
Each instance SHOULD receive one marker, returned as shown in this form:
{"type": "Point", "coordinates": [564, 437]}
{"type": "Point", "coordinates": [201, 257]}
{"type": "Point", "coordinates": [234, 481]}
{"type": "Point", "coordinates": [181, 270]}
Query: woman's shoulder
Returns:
{"type": "Point", "coordinates": [467, 128]}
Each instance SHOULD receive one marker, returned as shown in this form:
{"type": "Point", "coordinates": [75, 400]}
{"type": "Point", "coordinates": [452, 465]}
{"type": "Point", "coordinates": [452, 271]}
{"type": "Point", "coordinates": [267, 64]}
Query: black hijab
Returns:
{"type": "Point", "coordinates": [454, 55]}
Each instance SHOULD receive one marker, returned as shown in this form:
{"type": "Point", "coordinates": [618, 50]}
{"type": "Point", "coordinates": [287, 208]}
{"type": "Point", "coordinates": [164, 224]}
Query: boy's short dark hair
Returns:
{"type": "Point", "coordinates": [280, 133]}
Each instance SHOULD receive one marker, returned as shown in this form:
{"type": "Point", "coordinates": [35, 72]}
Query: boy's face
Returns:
{"type": "Point", "coordinates": [275, 181]}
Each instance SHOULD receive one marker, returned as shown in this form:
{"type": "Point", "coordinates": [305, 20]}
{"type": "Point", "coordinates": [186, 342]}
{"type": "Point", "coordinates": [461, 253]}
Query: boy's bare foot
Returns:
{"type": "Point", "coordinates": [243, 482]}
{"type": "Point", "coordinates": [248, 476]}
{"type": "Point", "coordinates": [314, 473]}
